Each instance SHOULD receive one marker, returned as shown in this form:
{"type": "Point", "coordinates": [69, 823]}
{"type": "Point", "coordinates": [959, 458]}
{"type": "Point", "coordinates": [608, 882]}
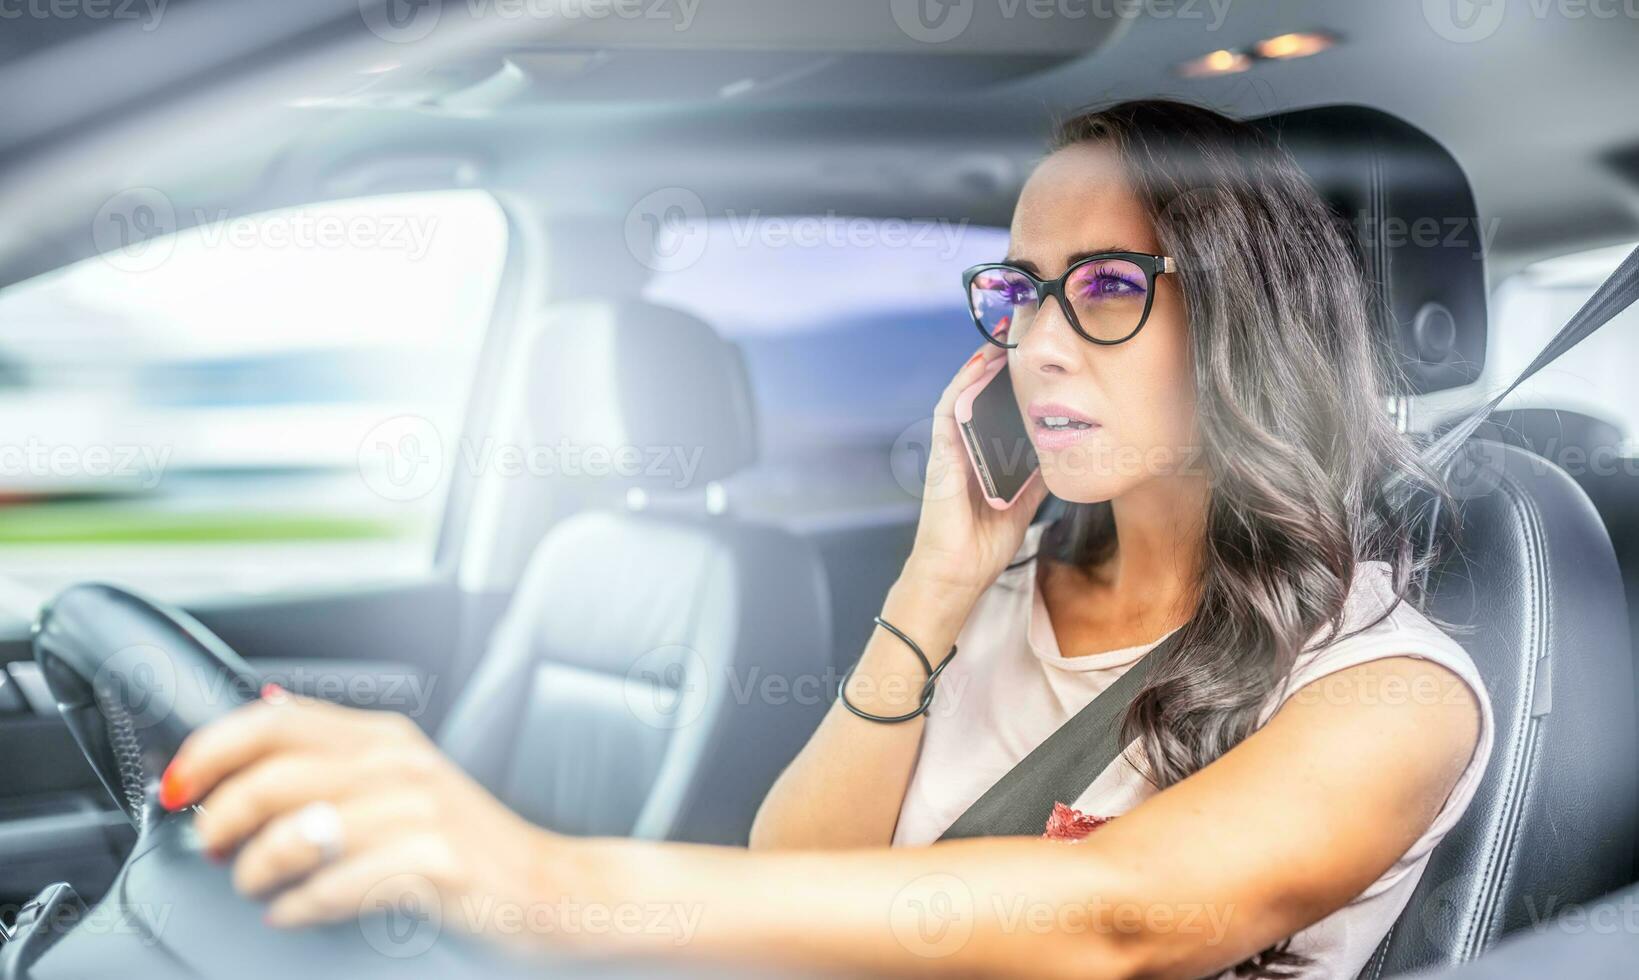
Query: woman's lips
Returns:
{"type": "Point", "coordinates": [1061, 438]}
{"type": "Point", "coordinates": [1056, 439]}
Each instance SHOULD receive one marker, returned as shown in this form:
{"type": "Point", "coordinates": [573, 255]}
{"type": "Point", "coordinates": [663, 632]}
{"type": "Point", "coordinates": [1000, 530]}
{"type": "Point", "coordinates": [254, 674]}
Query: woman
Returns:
{"type": "Point", "coordinates": [1295, 751]}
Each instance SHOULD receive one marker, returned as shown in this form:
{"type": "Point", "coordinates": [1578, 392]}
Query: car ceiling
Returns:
{"type": "Point", "coordinates": [1536, 106]}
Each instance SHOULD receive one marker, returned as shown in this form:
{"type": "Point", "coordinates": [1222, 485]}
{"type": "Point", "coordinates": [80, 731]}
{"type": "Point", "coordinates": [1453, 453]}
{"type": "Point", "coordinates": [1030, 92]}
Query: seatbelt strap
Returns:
{"type": "Point", "coordinates": [1613, 296]}
{"type": "Point", "coordinates": [1061, 768]}
{"type": "Point", "coordinates": [1071, 757]}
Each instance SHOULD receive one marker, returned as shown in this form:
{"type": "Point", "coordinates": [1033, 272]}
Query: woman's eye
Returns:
{"type": "Point", "coordinates": [1104, 285]}
{"type": "Point", "coordinates": [1010, 293]}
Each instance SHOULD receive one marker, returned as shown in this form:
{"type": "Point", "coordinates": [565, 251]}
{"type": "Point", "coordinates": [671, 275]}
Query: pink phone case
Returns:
{"type": "Point", "coordinates": [964, 415]}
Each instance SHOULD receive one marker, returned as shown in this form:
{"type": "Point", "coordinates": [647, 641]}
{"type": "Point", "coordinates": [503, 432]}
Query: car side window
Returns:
{"type": "Point", "coordinates": [1597, 376]}
{"type": "Point", "coordinates": [1593, 378]}
{"type": "Point", "coordinates": [231, 408]}
{"type": "Point", "coordinates": [850, 327]}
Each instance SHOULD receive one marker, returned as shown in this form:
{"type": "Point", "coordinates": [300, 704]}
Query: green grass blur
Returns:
{"type": "Point", "coordinates": [82, 523]}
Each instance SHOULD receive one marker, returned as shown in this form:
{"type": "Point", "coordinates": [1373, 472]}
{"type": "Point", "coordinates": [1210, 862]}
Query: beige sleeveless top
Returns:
{"type": "Point", "coordinates": [1010, 688]}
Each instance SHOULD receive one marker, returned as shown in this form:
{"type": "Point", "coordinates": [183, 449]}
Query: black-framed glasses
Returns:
{"type": "Point", "coordinates": [1105, 296]}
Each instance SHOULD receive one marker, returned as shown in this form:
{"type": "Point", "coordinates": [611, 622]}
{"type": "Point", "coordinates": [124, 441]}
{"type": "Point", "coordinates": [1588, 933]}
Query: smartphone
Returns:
{"type": "Point", "coordinates": [998, 446]}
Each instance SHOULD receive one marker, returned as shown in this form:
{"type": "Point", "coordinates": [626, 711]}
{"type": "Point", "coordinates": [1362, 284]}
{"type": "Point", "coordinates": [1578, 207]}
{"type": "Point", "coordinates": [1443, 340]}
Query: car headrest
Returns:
{"type": "Point", "coordinates": [643, 396]}
{"type": "Point", "coordinates": [1411, 214]}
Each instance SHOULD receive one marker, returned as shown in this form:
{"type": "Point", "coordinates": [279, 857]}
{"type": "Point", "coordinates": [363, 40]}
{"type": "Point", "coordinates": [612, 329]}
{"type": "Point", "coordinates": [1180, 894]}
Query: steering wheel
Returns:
{"type": "Point", "coordinates": [132, 678]}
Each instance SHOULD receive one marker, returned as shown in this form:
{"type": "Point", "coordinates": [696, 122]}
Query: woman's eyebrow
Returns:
{"type": "Point", "coordinates": [1031, 268]}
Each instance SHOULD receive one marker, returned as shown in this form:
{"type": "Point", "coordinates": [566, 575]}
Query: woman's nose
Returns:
{"type": "Point", "coordinates": [1051, 345]}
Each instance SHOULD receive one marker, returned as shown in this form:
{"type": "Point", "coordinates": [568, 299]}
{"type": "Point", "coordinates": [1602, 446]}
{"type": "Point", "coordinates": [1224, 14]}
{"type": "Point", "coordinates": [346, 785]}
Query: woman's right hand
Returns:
{"type": "Point", "coordinates": [845, 789]}
{"type": "Point", "coordinates": [962, 543]}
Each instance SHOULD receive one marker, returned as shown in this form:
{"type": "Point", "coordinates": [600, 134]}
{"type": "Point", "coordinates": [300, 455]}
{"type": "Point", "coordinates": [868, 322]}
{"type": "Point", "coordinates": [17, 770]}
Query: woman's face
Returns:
{"type": "Point", "coordinates": [1141, 393]}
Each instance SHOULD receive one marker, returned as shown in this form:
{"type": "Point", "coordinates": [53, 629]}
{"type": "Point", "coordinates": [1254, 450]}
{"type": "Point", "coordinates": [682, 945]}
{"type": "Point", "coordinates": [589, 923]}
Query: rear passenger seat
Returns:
{"type": "Point", "coordinates": [862, 556]}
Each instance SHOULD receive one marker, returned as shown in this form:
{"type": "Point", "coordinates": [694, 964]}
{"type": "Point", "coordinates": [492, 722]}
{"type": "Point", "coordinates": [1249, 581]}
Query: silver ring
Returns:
{"type": "Point", "coordinates": [319, 824]}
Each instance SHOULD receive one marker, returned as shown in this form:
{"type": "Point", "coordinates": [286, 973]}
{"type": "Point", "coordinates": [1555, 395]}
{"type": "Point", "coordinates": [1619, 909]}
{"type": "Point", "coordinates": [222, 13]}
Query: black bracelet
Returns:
{"type": "Point", "coordinates": [927, 686]}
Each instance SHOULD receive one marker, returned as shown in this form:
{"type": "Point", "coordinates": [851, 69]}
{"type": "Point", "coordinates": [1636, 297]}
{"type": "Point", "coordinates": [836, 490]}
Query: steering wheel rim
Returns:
{"type": "Point", "coordinates": [132, 677]}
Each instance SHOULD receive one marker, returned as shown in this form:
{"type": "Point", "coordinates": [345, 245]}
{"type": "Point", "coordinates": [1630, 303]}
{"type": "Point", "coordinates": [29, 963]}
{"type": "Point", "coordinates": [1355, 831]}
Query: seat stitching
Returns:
{"type": "Point", "coordinates": [1505, 832]}
{"type": "Point", "coordinates": [1381, 955]}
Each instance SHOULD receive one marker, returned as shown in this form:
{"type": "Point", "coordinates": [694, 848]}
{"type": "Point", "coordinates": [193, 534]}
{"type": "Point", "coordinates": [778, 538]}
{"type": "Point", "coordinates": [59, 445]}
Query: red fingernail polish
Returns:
{"type": "Point", "coordinates": [272, 692]}
{"type": "Point", "coordinates": [975, 357]}
{"type": "Point", "coordinates": [216, 855]}
{"type": "Point", "coordinates": [171, 794]}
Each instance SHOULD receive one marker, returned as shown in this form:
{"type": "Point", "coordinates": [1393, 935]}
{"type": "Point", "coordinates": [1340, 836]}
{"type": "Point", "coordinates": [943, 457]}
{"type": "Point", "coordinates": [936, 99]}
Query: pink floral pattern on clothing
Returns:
{"type": "Point", "coordinates": [1066, 823]}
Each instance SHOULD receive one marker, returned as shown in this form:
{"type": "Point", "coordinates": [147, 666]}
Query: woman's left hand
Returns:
{"type": "Point", "coordinates": [410, 821]}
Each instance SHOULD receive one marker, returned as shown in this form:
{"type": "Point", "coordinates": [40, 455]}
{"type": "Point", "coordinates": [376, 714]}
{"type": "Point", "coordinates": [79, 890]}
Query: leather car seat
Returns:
{"type": "Point", "coordinates": [1531, 574]}
{"type": "Point", "coordinates": [658, 666]}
